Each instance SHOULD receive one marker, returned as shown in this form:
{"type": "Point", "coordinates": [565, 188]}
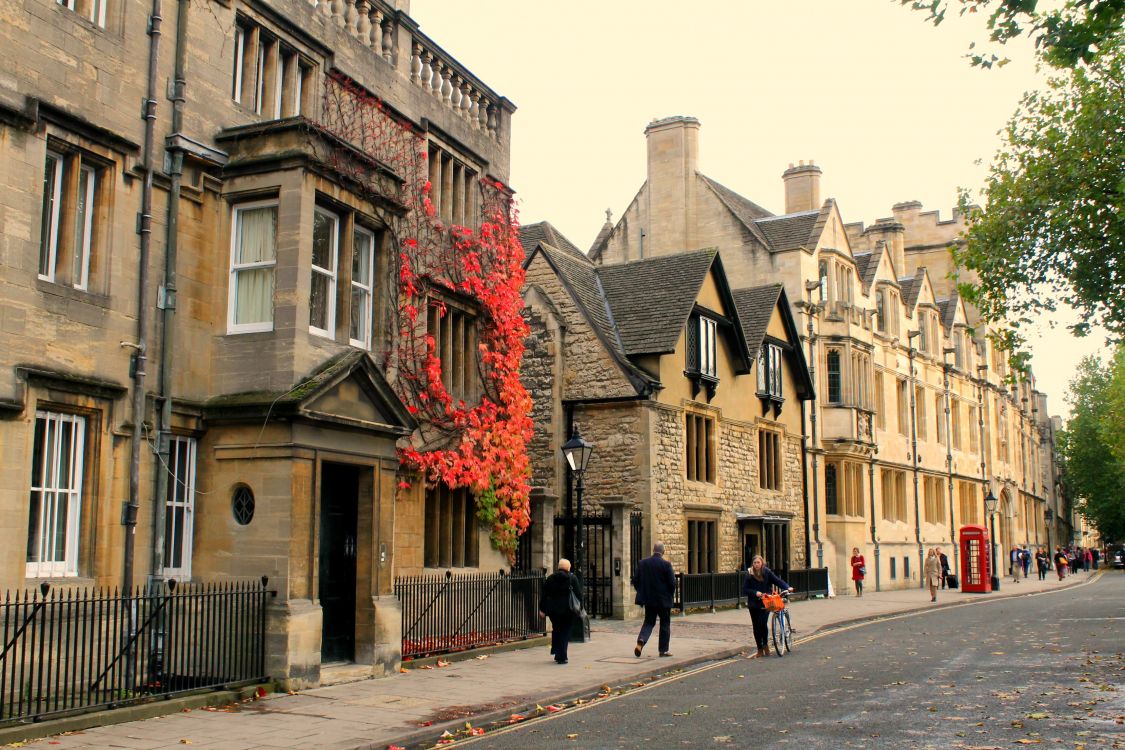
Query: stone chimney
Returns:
{"type": "Point", "coordinates": [802, 187]}
{"type": "Point", "coordinates": [673, 157]}
{"type": "Point", "coordinates": [894, 234]}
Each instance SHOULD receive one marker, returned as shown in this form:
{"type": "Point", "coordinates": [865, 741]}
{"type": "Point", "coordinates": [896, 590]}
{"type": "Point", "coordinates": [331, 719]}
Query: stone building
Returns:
{"type": "Point", "coordinates": [191, 377]}
{"type": "Point", "coordinates": [917, 414]}
{"type": "Point", "coordinates": [692, 393]}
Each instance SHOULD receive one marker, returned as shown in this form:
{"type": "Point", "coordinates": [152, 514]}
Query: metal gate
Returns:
{"type": "Point", "coordinates": [597, 565]}
{"type": "Point", "coordinates": [636, 540]}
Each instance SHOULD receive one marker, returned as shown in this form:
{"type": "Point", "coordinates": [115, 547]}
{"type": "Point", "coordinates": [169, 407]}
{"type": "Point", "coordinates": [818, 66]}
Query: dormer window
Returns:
{"type": "Point", "coordinates": [769, 371]}
{"type": "Point", "coordinates": [923, 331]}
{"type": "Point", "coordinates": [702, 353]}
{"type": "Point", "coordinates": [880, 311]}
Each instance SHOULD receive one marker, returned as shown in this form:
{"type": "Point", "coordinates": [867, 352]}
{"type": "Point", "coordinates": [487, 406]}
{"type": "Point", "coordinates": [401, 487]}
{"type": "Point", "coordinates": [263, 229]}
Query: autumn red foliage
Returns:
{"type": "Point", "coordinates": [481, 446]}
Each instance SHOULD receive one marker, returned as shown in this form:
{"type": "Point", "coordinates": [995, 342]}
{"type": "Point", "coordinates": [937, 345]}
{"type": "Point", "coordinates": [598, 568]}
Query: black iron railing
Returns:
{"type": "Point", "coordinates": [446, 613]}
{"type": "Point", "coordinates": [65, 651]}
{"type": "Point", "coordinates": [698, 590]}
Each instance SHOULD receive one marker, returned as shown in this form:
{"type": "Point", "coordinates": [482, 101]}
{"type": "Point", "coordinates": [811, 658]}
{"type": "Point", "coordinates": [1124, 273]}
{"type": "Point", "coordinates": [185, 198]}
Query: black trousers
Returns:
{"type": "Point", "coordinates": [665, 615]}
{"type": "Point", "coordinates": [560, 635]}
{"type": "Point", "coordinates": [761, 620]}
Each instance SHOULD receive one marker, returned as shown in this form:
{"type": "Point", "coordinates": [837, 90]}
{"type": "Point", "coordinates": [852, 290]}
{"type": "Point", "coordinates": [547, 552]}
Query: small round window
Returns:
{"type": "Point", "coordinates": [242, 504]}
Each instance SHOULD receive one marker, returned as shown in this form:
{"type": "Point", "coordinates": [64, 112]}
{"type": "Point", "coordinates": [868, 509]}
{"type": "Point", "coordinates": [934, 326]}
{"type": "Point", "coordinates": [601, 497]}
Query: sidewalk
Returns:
{"type": "Point", "coordinates": [419, 704]}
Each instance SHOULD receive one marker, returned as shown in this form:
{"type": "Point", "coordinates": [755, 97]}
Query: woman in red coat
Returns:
{"type": "Point", "coordinates": [859, 570]}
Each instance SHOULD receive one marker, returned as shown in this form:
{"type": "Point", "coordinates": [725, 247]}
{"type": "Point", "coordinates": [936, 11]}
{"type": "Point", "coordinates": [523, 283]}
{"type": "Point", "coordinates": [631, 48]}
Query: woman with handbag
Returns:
{"type": "Point", "coordinates": [562, 601]}
{"type": "Point", "coordinates": [760, 580]}
{"type": "Point", "coordinates": [859, 571]}
{"type": "Point", "coordinates": [932, 573]}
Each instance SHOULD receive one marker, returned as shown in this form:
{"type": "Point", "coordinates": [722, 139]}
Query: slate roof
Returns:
{"type": "Point", "coordinates": [948, 308]}
{"type": "Point", "coordinates": [910, 289]}
{"type": "Point", "coordinates": [746, 211]}
{"type": "Point", "coordinates": [790, 231]}
{"type": "Point", "coordinates": [755, 308]}
{"type": "Point", "coordinates": [867, 265]}
{"type": "Point", "coordinates": [542, 231]}
{"type": "Point", "coordinates": [650, 300]}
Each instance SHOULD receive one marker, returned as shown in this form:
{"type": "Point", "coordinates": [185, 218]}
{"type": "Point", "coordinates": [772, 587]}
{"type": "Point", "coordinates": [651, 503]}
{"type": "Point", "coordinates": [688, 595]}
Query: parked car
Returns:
{"type": "Point", "coordinates": [1117, 557]}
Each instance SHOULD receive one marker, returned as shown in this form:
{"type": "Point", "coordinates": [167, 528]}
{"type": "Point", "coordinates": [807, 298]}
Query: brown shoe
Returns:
{"type": "Point", "coordinates": [763, 652]}
{"type": "Point", "coordinates": [665, 653]}
{"type": "Point", "coordinates": [637, 650]}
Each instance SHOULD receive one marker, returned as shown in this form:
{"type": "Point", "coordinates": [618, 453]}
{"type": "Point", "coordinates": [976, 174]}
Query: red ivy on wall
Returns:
{"type": "Point", "coordinates": [481, 446]}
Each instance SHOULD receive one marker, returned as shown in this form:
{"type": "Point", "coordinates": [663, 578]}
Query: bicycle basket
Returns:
{"type": "Point", "coordinates": [773, 602]}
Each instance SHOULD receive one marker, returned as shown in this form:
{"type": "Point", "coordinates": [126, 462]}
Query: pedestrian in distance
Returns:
{"type": "Point", "coordinates": [1095, 556]}
{"type": "Point", "coordinates": [1014, 567]}
{"type": "Point", "coordinates": [655, 582]}
{"type": "Point", "coordinates": [1060, 562]}
{"type": "Point", "coordinates": [859, 571]}
{"type": "Point", "coordinates": [557, 591]}
{"type": "Point", "coordinates": [1087, 559]}
{"type": "Point", "coordinates": [1025, 560]}
{"type": "Point", "coordinates": [944, 559]}
{"type": "Point", "coordinates": [932, 572]}
{"type": "Point", "coordinates": [761, 580]}
{"type": "Point", "coordinates": [1042, 563]}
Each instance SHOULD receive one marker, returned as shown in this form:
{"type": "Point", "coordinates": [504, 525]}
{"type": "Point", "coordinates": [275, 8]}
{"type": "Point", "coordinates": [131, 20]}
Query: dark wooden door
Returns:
{"type": "Point", "coordinates": [750, 547]}
{"type": "Point", "coordinates": [339, 495]}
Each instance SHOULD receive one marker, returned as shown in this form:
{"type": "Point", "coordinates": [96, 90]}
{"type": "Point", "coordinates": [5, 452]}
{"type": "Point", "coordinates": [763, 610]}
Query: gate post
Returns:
{"type": "Point", "coordinates": [621, 590]}
{"type": "Point", "coordinates": [543, 506]}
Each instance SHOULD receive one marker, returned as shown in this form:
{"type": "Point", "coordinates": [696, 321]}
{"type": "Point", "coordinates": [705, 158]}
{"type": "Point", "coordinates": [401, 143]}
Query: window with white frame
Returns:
{"type": "Point", "coordinates": [70, 222]}
{"type": "Point", "coordinates": [322, 287]}
{"type": "Point", "coordinates": [92, 10]}
{"type": "Point", "coordinates": [179, 507]}
{"type": "Point", "coordinates": [769, 371]}
{"type": "Point", "coordinates": [363, 274]}
{"type": "Point", "coordinates": [708, 338]}
{"type": "Point", "coordinates": [57, 465]}
{"type": "Point", "coordinates": [252, 267]}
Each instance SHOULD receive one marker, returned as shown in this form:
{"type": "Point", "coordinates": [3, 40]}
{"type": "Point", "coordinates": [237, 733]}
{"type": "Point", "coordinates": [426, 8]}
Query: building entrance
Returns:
{"type": "Point", "coordinates": [339, 504]}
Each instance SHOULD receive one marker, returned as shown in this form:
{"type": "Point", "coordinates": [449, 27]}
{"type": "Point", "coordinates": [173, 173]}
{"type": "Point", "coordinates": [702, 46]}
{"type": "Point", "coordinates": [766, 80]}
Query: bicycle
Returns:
{"type": "Point", "coordinates": [781, 623]}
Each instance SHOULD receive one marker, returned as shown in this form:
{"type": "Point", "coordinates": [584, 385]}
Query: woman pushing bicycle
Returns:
{"type": "Point", "coordinates": [760, 580]}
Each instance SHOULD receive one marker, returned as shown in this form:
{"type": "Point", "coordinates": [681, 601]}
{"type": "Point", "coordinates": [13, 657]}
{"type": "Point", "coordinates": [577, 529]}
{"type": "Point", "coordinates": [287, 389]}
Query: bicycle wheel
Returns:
{"type": "Point", "coordinates": [778, 636]}
{"type": "Point", "coordinates": [788, 631]}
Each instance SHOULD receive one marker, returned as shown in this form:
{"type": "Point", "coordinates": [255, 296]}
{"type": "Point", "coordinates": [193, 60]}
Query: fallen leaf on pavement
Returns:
{"type": "Point", "coordinates": [572, 736]}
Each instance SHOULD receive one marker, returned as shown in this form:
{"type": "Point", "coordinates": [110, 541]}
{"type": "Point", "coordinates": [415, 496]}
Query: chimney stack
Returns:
{"type": "Point", "coordinates": [802, 187]}
{"type": "Point", "coordinates": [894, 234]}
{"type": "Point", "coordinates": [673, 158]}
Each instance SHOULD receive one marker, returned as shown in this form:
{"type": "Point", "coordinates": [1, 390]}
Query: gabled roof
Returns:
{"type": "Point", "coordinates": [579, 277]}
{"type": "Point", "coordinates": [755, 310]}
{"type": "Point", "coordinates": [910, 289]}
{"type": "Point", "coordinates": [543, 231]}
{"type": "Point", "coordinates": [867, 265]}
{"type": "Point", "coordinates": [384, 411]}
{"type": "Point", "coordinates": [746, 211]}
{"type": "Point", "coordinates": [948, 309]}
{"type": "Point", "coordinates": [789, 231]}
{"type": "Point", "coordinates": [651, 300]}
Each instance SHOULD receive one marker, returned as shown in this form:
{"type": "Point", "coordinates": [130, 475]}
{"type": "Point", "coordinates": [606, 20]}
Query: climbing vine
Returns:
{"type": "Point", "coordinates": [481, 445]}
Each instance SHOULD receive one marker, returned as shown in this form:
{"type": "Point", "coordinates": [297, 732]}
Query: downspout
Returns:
{"type": "Point", "coordinates": [914, 457]}
{"type": "Point", "coordinates": [949, 469]}
{"type": "Point", "coordinates": [167, 301]}
{"type": "Point", "coordinates": [814, 449]}
{"type": "Point", "coordinates": [140, 356]}
{"type": "Point", "coordinates": [871, 486]}
{"type": "Point", "coordinates": [805, 487]}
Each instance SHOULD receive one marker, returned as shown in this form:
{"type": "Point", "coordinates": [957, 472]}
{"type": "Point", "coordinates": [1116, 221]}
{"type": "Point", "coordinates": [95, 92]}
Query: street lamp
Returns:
{"type": "Point", "coordinates": [1048, 516]}
{"type": "Point", "coordinates": [990, 503]}
{"type": "Point", "coordinates": [577, 453]}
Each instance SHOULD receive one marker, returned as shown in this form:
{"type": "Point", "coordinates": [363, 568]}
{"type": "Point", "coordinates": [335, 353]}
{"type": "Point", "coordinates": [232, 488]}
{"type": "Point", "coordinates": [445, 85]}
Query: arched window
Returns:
{"type": "Point", "coordinates": [835, 384]}
{"type": "Point", "coordinates": [831, 504]}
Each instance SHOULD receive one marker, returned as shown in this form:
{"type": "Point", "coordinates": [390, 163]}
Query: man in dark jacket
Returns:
{"type": "Point", "coordinates": [655, 582]}
{"type": "Point", "coordinates": [557, 590]}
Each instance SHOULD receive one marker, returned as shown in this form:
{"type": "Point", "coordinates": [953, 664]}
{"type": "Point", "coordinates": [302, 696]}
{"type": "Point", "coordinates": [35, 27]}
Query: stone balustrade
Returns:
{"type": "Point", "coordinates": [381, 28]}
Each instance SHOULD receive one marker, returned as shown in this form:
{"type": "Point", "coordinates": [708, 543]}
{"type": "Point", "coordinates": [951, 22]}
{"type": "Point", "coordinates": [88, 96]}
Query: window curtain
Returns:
{"type": "Point", "coordinates": [257, 244]}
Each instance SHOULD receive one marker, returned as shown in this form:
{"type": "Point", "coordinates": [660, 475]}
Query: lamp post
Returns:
{"type": "Point", "coordinates": [910, 336]}
{"type": "Point", "coordinates": [946, 367]}
{"type": "Point", "coordinates": [577, 453]}
{"type": "Point", "coordinates": [812, 287]}
{"type": "Point", "coordinates": [990, 503]}
{"type": "Point", "coordinates": [1048, 516]}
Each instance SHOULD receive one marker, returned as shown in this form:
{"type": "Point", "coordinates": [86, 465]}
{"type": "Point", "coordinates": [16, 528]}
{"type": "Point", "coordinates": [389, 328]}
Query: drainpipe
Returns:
{"type": "Point", "coordinates": [871, 487]}
{"type": "Point", "coordinates": [811, 287]}
{"type": "Point", "coordinates": [914, 454]}
{"type": "Point", "coordinates": [805, 487]}
{"type": "Point", "coordinates": [129, 519]}
{"type": "Point", "coordinates": [167, 300]}
{"type": "Point", "coordinates": [949, 459]}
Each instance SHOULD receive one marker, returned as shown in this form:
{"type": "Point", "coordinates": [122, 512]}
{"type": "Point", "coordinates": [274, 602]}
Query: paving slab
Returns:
{"type": "Point", "coordinates": [374, 713]}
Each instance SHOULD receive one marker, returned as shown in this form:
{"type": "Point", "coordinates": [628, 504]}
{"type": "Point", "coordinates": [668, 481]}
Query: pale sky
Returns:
{"type": "Point", "coordinates": [882, 101]}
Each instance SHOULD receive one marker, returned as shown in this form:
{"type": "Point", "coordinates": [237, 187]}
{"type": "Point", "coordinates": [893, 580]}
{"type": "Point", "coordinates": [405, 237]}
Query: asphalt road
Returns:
{"type": "Point", "coordinates": [1043, 670]}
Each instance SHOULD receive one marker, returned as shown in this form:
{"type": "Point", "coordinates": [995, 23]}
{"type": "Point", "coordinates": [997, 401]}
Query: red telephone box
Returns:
{"type": "Point", "coordinates": [976, 573]}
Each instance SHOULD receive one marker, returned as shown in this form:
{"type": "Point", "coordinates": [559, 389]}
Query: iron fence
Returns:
{"type": "Point", "coordinates": [708, 589]}
{"type": "Point", "coordinates": [446, 613]}
{"type": "Point", "coordinates": [808, 582]}
{"type": "Point", "coordinates": [597, 563]}
{"type": "Point", "coordinates": [73, 650]}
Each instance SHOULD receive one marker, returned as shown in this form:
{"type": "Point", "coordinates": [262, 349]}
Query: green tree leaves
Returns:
{"type": "Point", "coordinates": [1054, 228]}
{"type": "Point", "coordinates": [1065, 35]}
{"type": "Point", "coordinates": [1092, 447]}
